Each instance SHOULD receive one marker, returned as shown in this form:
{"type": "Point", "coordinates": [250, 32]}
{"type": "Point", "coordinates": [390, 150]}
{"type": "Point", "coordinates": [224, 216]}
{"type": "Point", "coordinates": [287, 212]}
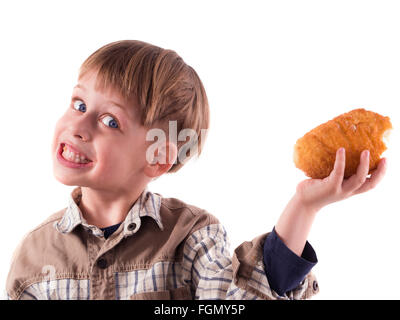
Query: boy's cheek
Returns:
{"type": "Point", "coordinates": [60, 127]}
{"type": "Point", "coordinates": [54, 142]}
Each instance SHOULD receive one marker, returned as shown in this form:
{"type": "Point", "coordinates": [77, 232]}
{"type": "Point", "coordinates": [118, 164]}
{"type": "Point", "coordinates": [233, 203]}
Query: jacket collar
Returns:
{"type": "Point", "coordinates": [147, 205]}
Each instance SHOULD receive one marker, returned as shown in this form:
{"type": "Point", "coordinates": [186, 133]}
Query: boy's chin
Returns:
{"type": "Point", "coordinates": [67, 180]}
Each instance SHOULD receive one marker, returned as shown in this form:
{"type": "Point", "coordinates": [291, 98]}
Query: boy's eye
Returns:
{"type": "Point", "coordinates": [110, 122]}
{"type": "Point", "coordinates": [107, 120]}
{"type": "Point", "coordinates": [79, 105]}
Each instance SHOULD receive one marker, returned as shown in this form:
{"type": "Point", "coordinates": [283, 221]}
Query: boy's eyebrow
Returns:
{"type": "Point", "coordinates": [110, 101]}
{"type": "Point", "coordinates": [80, 86]}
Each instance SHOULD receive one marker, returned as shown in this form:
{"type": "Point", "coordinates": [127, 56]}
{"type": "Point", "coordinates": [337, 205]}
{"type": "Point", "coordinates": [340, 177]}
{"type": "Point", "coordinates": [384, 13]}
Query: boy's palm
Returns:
{"type": "Point", "coordinates": [316, 193]}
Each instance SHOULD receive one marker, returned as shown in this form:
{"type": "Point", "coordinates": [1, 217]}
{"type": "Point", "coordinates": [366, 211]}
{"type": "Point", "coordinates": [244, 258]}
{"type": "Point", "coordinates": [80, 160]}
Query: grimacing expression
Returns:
{"type": "Point", "coordinates": [99, 142]}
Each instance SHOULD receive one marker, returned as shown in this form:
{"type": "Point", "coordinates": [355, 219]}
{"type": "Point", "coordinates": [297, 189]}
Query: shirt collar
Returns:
{"type": "Point", "coordinates": [147, 205]}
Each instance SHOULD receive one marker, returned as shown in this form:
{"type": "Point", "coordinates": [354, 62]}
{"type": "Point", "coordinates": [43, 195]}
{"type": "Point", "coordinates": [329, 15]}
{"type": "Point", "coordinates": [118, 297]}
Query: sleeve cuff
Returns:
{"type": "Point", "coordinates": [284, 269]}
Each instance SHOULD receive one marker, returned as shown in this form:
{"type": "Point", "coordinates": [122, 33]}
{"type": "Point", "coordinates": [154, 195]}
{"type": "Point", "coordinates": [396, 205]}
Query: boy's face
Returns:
{"type": "Point", "coordinates": [111, 137]}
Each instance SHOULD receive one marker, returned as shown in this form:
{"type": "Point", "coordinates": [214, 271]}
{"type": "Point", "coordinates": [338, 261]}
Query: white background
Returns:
{"type": "Point", "coordinates": [272, 70]}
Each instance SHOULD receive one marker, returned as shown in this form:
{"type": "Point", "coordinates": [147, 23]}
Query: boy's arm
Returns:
{"type": "Point", "coordinates": [311, 195]}
{"type": "Point", "coordinates": [288, 257]}
{"type": "Point", "coordinates": [283, 268]}
{"type": "Point", "coordinates": [213, 274]}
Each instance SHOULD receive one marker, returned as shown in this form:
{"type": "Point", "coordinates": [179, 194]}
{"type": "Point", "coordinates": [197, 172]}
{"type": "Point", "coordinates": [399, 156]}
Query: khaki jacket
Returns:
{"type": "Point", "coordinates": [165, 249]}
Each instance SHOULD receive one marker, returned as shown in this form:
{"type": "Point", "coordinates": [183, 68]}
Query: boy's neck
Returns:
{"type": "Point", "coordinates": [103, 208]}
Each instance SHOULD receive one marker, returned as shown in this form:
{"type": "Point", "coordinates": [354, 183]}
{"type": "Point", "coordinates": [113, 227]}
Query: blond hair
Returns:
{"type": "Point", "coordinates": [165, 87]}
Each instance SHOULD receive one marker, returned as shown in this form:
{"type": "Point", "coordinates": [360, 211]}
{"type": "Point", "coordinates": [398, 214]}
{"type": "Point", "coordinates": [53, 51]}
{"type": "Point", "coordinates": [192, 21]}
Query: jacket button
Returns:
{"type": "Point", "coordinates": [102, 263]}
{"type": "Point", "coordinates": [131, 226]}
{"type": "Point", "coordinates": [315, 285]}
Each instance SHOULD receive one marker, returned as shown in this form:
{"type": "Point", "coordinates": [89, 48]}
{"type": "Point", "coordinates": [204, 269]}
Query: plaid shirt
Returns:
{"type": "Point", "coordinates": [165, 249]}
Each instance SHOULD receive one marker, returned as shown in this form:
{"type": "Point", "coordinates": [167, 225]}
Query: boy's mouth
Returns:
{"type": "Point", "coordinates": [71, 154]}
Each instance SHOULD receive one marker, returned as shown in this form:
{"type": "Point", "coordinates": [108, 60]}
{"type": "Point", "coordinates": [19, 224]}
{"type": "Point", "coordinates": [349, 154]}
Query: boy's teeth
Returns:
{"type": "Point", "coordinates": [71, 156]}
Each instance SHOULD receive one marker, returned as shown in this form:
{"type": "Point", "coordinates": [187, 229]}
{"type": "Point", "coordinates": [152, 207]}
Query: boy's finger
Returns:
{"type": "Point", "coordinates": [375, 178]}
{"type": "Point", "coordinates": [357, 180]}
{"type": "Point", "coordinates": [337, 173]}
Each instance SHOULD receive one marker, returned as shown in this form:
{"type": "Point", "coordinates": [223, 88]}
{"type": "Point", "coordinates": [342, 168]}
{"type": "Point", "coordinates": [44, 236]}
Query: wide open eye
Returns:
{"type": "Point", "coordinates": [80, 105]}
{"type": "Point", "coordinates": [110, 122]}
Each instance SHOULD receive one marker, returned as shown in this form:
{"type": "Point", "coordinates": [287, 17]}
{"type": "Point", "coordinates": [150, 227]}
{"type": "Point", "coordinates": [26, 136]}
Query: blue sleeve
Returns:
{"type": "Point", "coordinates": [284, 269]}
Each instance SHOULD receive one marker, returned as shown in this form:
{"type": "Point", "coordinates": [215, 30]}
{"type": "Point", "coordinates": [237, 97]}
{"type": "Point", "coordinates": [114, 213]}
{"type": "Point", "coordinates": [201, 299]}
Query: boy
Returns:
{"type": "Point", "coordinates": [118, 240]}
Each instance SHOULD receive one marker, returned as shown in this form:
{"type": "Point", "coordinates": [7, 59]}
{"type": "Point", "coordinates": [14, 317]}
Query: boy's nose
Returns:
{"type": "Point", "coordinates": [81, 128]}
{"type": "Point", "coordinates": [81, 137]}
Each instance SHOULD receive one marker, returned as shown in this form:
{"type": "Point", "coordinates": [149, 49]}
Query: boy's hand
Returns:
{"type": "Point", "coordinates": [317, 193]}
{"type": "Point", "coordinates": [296, 220]}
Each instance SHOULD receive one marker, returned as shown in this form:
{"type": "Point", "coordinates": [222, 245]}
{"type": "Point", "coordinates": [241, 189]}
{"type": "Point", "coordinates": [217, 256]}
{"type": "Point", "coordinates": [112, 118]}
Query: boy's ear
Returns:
{"type": "Point", "coordinates": [164, 158]}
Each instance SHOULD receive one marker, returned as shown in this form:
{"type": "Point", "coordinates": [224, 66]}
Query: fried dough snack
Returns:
{"type": "Point", "coordinates": [356, 131]}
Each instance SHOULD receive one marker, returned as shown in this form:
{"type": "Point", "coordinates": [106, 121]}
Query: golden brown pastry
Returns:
{"type": "Point", "coordinates": [356, 131]}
